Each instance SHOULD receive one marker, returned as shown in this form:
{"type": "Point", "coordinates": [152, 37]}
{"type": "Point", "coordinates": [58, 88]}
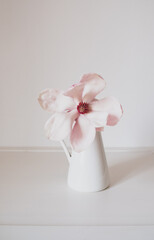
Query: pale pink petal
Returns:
{"type": "Point", "coordinates": [64, 103]}
{"type": "Point", "coordinates": [89, 86]}
{"type": "Point", "coordinates": [100, 129]}
{"type": "Point", "coordinates": [93, 85]}
{"type": "Point", "coordinates": [83, 134]}
{"type": "Point", "coordinates": [98, 119]}
{"type": "Point", "coordinates": [59, 126]}
{"type": "Point", "coordinates": [47, 99]}
{"type": "Point", "coordinates": [75, 92]}
{"type": "Point", "coordinates": [53, 100]}
{"type": "Point", "coordinates": [109, 105]}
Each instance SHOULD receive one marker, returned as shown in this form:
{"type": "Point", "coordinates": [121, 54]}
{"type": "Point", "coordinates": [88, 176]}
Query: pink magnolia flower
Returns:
{"type": "Point", "coordinates": [77, 113]}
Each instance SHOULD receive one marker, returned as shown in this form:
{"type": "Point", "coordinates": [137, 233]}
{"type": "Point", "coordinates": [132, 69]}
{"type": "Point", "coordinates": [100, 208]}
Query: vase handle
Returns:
{"type": "Point", "coordinates": [67, 152]}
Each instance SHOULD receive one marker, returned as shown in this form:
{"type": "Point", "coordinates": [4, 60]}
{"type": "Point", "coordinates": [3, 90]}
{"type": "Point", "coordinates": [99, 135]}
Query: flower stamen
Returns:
{"type": "Point", "coordinates": [83, 107]}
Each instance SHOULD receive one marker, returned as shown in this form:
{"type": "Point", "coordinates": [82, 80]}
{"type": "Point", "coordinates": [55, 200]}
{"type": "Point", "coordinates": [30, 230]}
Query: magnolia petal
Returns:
{"type": "Point", "coordinates": [98, 119]}
{"type": "Point", "coordinates": [75, 92]}
{"type": "Point", "coordinates": [82, 135]}
{"type": "Point", "coordinates": [93, 85]}
{"type": "Point", "coordinates": [59, 126]}
{"type": "Point", "coordinates": [64, 103]}
{"type": "Point", "coordinates": [53, 100]}
{"type": "Point", "coordinates": [47, 99]}
{"type": "Point", "coordinates": [109, 105]}
{"type": "Point", "coordinates": [100, 129]}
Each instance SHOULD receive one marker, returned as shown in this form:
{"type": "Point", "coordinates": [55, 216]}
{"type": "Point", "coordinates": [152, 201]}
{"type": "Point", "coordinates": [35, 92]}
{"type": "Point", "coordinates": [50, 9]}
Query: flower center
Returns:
{"type": "Point", "coordinates": [82, 107]}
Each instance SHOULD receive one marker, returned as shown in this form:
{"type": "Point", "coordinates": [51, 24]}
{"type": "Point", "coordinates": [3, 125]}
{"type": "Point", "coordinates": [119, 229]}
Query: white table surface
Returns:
{"type": "Point", "coordinates": [34, 192]}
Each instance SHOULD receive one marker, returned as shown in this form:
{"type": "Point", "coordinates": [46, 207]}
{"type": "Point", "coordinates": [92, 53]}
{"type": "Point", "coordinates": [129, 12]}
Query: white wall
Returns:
{"type": "Point", "coordinates": [51, 43]}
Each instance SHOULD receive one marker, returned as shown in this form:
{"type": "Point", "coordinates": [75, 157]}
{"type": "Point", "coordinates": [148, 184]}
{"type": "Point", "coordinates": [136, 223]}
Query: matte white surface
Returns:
{"type": "Point", "coordinates": [34, 191]}
{"type": "Point", "coordinates": [76, 233]}
{"type": "Point", "coordinates": [51, 43]}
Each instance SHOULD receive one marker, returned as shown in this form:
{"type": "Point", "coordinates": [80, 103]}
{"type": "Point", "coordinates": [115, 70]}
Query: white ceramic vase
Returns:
{"type": "Point", "coordinates": [88, 170]}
